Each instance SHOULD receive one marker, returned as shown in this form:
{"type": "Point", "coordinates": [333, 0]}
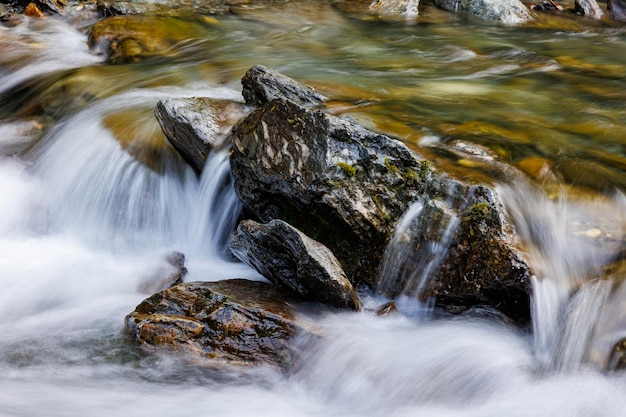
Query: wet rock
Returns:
{"type": "Point", "coordinates": [293, 261]}
{"type": "Point", "coordinates": [347, 187]}
{"type": "Point", "coordinates": [387, 309]}
{"type": "Point", "coordinates": [588, 8]}
{"type": "Point", "coordinates": [548, 6]}
{"type": "Point", "coordinates": [261, 84]}
{"type": "Point", "coordinates": [504, 11]}
{"type": "Point", "coordinates": [339, 183]}
{"type": "Point", "coordinates": [237, 320]}
{"type": "Point", "coordinates": [169, 7]}
{"type": "Point", "coordinates": [482, 265]}
{"type": "Point", "coordinates": [406, 8]}
{"type": "Point", "coordinates": [33, 11]}
{"type": "Point", "coordinates": [197, 125]}
{"type": "Point", "coordinates": [616, 9]}
{"type": "Point", "coordinates": [5, 12]}
{"type": "Point", "coordinates": [166, 277]}
{"type": "Point", "coordinates": [617, 360]}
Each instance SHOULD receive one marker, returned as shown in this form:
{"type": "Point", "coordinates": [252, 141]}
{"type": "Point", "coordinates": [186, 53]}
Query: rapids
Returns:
{"type": "Point", "coordinates": [93, 199]}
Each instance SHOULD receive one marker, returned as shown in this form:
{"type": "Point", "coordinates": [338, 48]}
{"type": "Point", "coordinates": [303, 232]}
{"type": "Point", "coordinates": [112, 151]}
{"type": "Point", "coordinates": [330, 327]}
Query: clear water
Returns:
{"type": "Point", "coordinates": [93, 200]}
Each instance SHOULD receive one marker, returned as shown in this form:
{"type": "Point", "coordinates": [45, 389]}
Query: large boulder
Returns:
{"type": "Point", "coordinates": [339, 183]}
{"type": "Point", "coordinates": [239, 321]}
{"type": "Point", "coordinates": [347, 187]}
{"type": "Point", "coordinates": [292, 260]}
{"type": "Point", "coordinates": [197, 125]}
{"type": "Point", "coordinates": [503, 11]}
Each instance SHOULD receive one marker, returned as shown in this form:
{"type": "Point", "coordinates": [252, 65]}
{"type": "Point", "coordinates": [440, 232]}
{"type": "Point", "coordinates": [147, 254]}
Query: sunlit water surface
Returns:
{"type": "Point", "coordinates": [94, 200]}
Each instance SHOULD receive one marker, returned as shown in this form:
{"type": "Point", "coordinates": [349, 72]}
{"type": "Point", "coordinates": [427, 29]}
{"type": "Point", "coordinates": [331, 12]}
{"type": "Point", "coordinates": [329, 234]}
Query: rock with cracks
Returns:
{"type": "Point", "coordinates": [347, 187]}
{"type": "Point", "coordinates": [239, 321]}
{"type": "Point", "coordinates": [261, 84]}
{"type": "Point", "coordinates": [293, 261]}
{"type": "Point", "coordinates": [197, 125]}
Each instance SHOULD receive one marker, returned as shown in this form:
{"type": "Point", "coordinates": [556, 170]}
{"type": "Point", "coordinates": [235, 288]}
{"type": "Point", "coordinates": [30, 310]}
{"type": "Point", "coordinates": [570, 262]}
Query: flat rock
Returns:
{"type": "Point", "coordinates": [239, 321]}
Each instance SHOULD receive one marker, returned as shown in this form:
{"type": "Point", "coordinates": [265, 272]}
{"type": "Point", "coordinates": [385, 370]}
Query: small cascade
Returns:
{"type": "Point", "coordinates": [570, 243]}
{"type": "Point", "coordinates": [131, 188]}
{"type": "Point", "coordinates": [419, 245]}
{"type": "Point", "coordinates": [34, 47]}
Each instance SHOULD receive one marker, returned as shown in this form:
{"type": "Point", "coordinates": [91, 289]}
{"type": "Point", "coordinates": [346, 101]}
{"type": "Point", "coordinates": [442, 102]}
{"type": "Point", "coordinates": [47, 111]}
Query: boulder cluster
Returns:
{"type": "Point", "coordinates": [330, 208]}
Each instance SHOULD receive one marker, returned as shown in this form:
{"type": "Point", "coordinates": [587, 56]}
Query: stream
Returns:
{"type": "Point", "coordinates": [94, 199]}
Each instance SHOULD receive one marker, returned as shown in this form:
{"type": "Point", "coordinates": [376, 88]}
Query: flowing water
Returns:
{"type": "Point", "coordinates": [93, 200]}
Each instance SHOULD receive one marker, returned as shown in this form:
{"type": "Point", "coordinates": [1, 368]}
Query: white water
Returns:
{"type": "Point", "coordinates": [83, 226]}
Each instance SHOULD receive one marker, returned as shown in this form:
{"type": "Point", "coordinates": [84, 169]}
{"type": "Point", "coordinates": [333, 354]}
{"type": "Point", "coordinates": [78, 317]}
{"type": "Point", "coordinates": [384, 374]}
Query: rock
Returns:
{"type": "Point", "coordinates": [337, 182]}
{"type": "Point", "coordinates": [166, 277]}
{"type": "Point", "coordinates": [482, 265]}
{"type": "Point", "coordinates": [261, 84]}
{"type": "Point", "coordinates": [387, 309]}
{"type": "Point", "coordinates": [504, 11]}
{"type": "Point", "coordinates": [460, 256]}
{"type": "Point", "coordinates": [588, 8]}
{"type": "Point", "coordinates": [406, 8]}
{"type": "Point", "coordinates": [616, 9]}
{"type": "Point", "coordinates": [617, 360]}
{"type": "Point", "coordinates": [197, 125]}
{"type": "Point", "coordinates": [347, 187]}
{"type": "Point", "coordinates": [291, 260]}
{"type": "Point", "coordinates": [169, 7]}
{"type": "Point", "coordinates": [239, 321]}
{"type": "Point", "coordinates": [32, 10]}
{"type": "Point", "coordinates": [547, 6]}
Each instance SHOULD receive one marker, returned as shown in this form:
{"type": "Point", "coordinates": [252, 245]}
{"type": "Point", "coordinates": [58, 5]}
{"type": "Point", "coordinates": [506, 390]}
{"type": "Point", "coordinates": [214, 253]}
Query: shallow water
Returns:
{"type": "Point", "coordinates": [92, 204]}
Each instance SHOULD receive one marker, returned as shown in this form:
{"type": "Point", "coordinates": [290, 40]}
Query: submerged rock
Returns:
{"type": "Point", "coordinates": [347, 187]}
{"type": "Point", "coordinates": [236, 320]}
{"type": "Point", "coordinates": [293, 261]}
{"type": "Point", "coordinates": [504, 11]}
{"type": "Point", "coordinates": [197, 125]}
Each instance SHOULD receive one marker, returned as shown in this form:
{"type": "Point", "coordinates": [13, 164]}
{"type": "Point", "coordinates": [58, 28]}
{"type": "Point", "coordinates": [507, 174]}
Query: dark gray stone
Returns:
{"type": "Point", "coordinates": [291, 260]}
{"type": "Point", "coordinates": [261, 84]}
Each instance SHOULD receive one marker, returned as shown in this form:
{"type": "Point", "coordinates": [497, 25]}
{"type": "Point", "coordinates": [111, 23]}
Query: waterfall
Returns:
{"type": "Point", "coordinates": [569, 242]}
{"type": "Point", "coordinates": [418, 246]}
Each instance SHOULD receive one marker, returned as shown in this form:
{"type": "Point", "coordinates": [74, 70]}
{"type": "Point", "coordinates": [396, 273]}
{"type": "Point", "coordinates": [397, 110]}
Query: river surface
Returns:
{"type": "Point", "coordinates": [93, 200]}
